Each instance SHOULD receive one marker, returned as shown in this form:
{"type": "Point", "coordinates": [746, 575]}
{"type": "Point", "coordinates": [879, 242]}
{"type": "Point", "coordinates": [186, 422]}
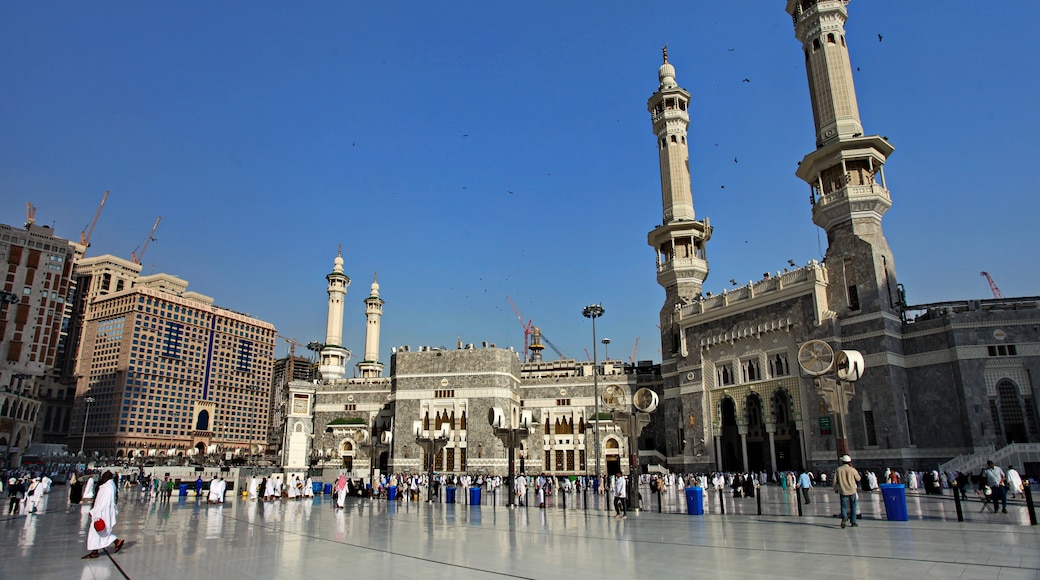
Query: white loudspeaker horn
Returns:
{"type": "Point", "coordinates": [496, 417]}
{"type": "Point", "coordinates": [526, 419]}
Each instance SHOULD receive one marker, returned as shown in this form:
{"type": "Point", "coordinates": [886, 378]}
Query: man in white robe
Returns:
{"type": "Point", "coordinates": [520, 488]}
{"type": "Point", "coordinates": [88, 489]}
{"type": "Point", "coordinates": [270, 489]}
{"type": "Point", "coordinates": [214, 491]}
{"type": "Point", "coordinates": [105, 511]}
{"type": "Point", "coordinates": [254, 483]}
{"type": "Point", "coordinates": [33, 496]}
{"type": "Point", "coordinates": [341, 490]}
{"type": "Point", "coordinates": [1014, 481]}
{"type": "Point", "coordinates": [308, 487]}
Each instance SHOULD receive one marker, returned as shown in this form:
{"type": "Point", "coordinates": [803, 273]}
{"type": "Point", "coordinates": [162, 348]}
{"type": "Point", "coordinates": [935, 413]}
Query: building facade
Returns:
{"type": "Point", "coordinates": [33, 319]}
{"type": "Point", "coordinates": [164, 372]}
{"type": "Point", "coordinates": [369, 422]}
{"type": "Point", "coordinates": [939, 381]}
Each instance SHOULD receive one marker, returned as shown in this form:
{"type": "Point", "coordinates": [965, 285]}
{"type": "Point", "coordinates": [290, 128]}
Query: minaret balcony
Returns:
{"type": "Point", "coordinates": [851, 201]}
{"type": "Point", "coordinates": [673, 271]}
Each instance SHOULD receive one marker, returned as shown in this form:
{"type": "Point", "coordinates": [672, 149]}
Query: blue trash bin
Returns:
{"type": "Point", "coordinates": [328, 488]}
{"type": "Point", "coordinates": [391, 492]}
{"type": "Point", "coordinates": [695, 501]}
{"type": "Point", "coordinates": [474, 496]}
{"type": "Point", "coordinates": [184, 490]}
{"type": "Point", "coordinates": [316, 487]}
{"type": "Point", "coordinates": [449, 495]}
{"type": "Point", "coordinates": [894, 495]}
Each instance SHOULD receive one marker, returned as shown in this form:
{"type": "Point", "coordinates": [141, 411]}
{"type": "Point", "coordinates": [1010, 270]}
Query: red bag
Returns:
{"type": "Point", "coordinates": [99, 525]}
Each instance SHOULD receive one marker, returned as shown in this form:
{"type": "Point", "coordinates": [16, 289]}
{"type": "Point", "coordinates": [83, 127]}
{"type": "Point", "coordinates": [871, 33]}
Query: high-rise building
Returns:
{"type": "Point", "coordinates": [37, 267]}
{"type": "Point", "coordinates": [162, 371]}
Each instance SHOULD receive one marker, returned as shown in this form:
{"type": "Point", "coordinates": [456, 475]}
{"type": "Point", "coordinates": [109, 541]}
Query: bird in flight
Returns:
{"type": "Point", "coordinates": [879, 37]}
{"type": "Point", "coordinates": [734, 160]}
{"type": "Point", "coordinates": [746, 81]}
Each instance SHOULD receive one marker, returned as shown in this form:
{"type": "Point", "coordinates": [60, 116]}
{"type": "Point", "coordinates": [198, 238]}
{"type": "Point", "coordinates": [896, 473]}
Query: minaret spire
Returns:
{"type": "Point", "coordinates": [370, 366]}
{"type": "Point", "coordinates": [845, 173]}
{"type": "Point", "coordinates": [679, 241]}
{"type": "Point", "coordinates": [333, 356]}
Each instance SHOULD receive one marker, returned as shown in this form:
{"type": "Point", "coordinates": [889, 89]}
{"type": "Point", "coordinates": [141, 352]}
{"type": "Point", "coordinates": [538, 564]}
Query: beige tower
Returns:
{"type": "Point", "coordinates": [370, 366]}
{"type": "Point", "coordinates": [679, 241]}
{"type": "Point", "coordinates": [333, 356]}
{"type": "Point", "coordinates": [846, 171]}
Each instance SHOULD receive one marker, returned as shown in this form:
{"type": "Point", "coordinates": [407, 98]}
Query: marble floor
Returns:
{"type": "Point", "coordinates": [239, 539]}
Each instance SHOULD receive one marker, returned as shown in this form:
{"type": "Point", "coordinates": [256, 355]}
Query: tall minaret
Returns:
{"type": "Point", "coordinates": [846, 171]}
{"type": "Point", "coordinates": [333, 356]}
{"type": "Point", "coordinates": [679, 241]}
{"type": "Point", "coordinates": [371, 367]}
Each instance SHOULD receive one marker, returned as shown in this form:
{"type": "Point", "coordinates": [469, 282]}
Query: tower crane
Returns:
{"type": "Point", "coordinates": [528, 328]}
{"type": "Point", "coordinates": [133, 255]}
{"type": "Point", "coordinates": [30, 214]}
{"type": "Point", "coordinates": [546, 340]}
{"type": "Point", "coordinates": [635, 349]}
{"type": "Point", "coordinates": [84, 236]}
{"type": "Point", "coordinates": [992, 285]}
{"type": "Point", "coordinates": [292, 357]}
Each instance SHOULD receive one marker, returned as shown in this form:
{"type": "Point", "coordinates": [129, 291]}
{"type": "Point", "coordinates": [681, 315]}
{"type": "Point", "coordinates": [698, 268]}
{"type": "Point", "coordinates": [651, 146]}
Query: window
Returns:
{"type": "Point", "coordinates": [868, 424]}
{"type": "Point", "coordinates": [750, 370]}
{"type": "Point", "coordinates": [778, 366]}
{"type": "Point", "coordinates": [724, 374]}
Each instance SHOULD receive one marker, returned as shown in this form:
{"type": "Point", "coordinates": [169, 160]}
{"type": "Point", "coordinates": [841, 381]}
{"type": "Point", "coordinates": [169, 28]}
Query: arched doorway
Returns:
{"type": "Point", "coordinates": [612, 453]}
{"type": "Point", "coordinates": [786, 438]}
{"type": "Point", "coordinates": [757, 440]}
{"type": "Point", "coordinates": [732, 456]}
{"type": "Point", "coordinates": [1011, 416]}
{"type": "Point", "coordinates": [346, 453]}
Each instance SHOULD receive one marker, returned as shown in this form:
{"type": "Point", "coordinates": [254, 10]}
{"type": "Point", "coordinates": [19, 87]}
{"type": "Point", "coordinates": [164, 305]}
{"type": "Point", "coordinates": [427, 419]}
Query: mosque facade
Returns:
{"type": "Point", "coordinates": [739, 389]}
{"type": "Point", "coordinates": [438, 405]}
{"type": "Point", "coordinates": [938, 380]}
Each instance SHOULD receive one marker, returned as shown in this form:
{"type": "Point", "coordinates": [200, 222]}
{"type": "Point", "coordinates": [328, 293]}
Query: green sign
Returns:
{"type": "Point", "coordinates": [825, 425]}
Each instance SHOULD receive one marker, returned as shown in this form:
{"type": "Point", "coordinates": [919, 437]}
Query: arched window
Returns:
{"type": "Point", "coordinates": [202, 422]}
{"type": "Point", "coordinates": [1011, 414]}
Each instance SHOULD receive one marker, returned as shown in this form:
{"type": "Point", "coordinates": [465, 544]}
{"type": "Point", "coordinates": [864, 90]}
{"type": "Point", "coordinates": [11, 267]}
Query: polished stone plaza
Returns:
{"type": "Point", "coordinates": [186, 538]}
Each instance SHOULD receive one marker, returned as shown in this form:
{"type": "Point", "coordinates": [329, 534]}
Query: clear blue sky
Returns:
{"type": "Point", "coordinates": [471, 150]}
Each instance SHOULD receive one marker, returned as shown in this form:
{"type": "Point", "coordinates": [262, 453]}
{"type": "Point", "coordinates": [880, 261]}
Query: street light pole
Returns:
{"type": "Point", "coordinates": [86, 416]}
{"type": "Point", "coordinates": [594, 311]}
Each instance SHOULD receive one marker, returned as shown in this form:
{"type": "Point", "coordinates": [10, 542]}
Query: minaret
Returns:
{"type": "Point", "coordinates": [333, 356]}
{"type": "Point", "coordinates": [679, 241]}
{"type": "Point", "coordinates": [371, 367]}
{"type": "Point", "coordinates": [846, 171]}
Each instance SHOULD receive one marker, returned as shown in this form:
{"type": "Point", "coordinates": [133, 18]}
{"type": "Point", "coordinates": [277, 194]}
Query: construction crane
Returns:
{"type": "Point", "coordinates": [84, 236]}
{"type": "Point", "coordinates": [292, 358]}
{"type": "Point", "coordinates": [546, 340]}
{"type": "Point", "coordinates": [635, 349]}
{"type": "Point", "coordinates": [30, 214]}
{"type": "Point", "coordinates": [992, 285]}
{"type": "Point", "coordinates": [528, 328]}
{"type": "Point", "coordinates": [133, 255]}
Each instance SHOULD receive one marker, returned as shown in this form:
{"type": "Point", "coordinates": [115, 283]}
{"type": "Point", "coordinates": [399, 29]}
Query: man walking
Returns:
{"type": "Point", "coordinates": [804, 483]}
{"type": "Point", "coordinates": [620, 492]}
{"type": "Point", "coordinates": [995, 480]}
{"type": "Point", "coordinates": [845, 480]}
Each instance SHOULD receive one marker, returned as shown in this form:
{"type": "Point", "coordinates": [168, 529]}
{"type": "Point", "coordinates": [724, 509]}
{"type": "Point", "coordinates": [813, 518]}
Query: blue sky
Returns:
{"type": "Point", "coordinates": [470, 150]}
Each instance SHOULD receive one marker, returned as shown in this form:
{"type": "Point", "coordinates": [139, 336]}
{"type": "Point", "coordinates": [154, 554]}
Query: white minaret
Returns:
{"type": "Point", "coordinates": [370, 366]}
{"type": "Point", "coordinates": [679, 241]}
{"type": "Point", "coordinates": [333, 356]}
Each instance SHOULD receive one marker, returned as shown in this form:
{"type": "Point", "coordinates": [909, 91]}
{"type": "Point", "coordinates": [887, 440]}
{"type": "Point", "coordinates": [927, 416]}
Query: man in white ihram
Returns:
{"type": "Point", "coordinates": [620, 492]}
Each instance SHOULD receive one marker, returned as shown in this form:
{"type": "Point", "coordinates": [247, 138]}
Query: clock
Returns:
{"type": "Point", "coordinates": [816, 357]}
